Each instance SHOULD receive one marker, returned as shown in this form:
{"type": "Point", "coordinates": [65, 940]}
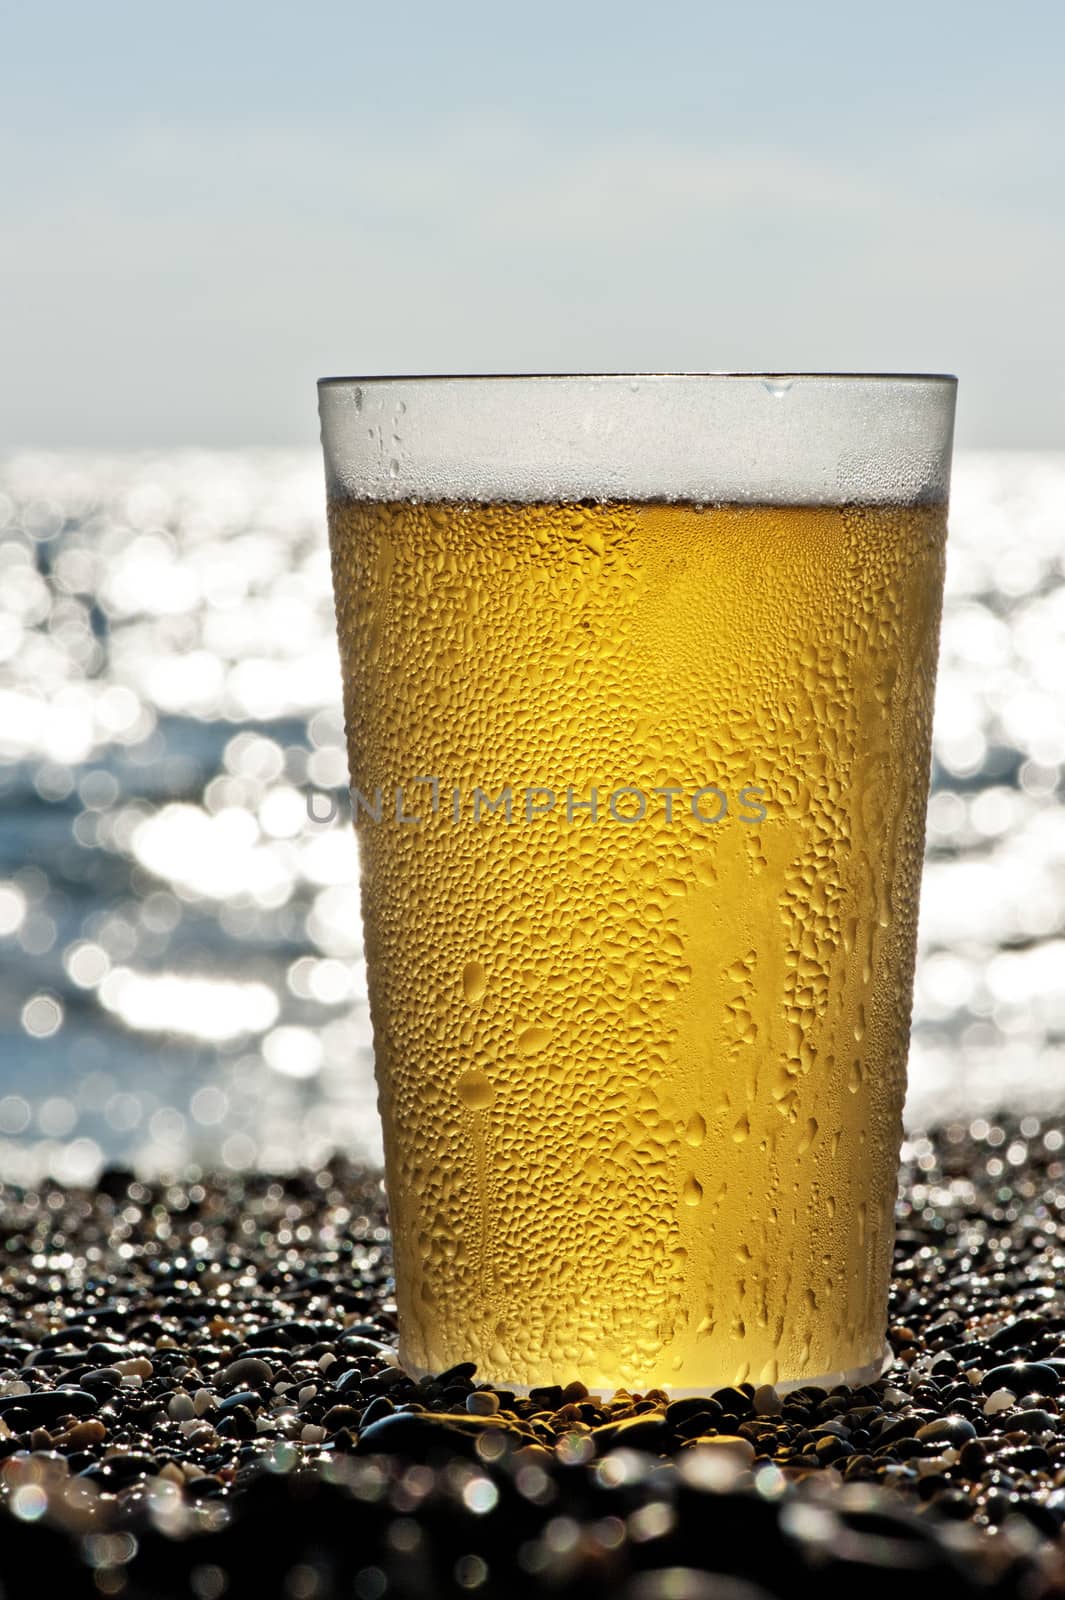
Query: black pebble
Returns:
{"type": "Point", "coordinates": [250, 1399]}
{"type": "Point", "coordinates": [946, 1430]}
{"type": "Point", "coordinates": [736, 1401]}
{"type": "Point", "coordinates": [648, 1432]}
{"type": "Point", "coordinates": [380, 1406]}
{"type": "Point", "coordinates": [338, 1417]}
{"type": "Point", "coordinates": [426, 1435]}
{"type": "Point", "coordinates": [46, 1406]}
{"type": "Point", "coordinates": [1023, 1377]}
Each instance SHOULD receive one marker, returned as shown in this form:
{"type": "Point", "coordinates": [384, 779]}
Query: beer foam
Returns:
{"type": "Point", "coordinates": [743, 438]}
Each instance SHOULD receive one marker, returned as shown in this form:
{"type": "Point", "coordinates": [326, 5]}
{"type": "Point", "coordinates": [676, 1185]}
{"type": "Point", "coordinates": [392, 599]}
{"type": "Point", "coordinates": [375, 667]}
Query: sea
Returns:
{"type": "Point", "coordinates": [181, 975]}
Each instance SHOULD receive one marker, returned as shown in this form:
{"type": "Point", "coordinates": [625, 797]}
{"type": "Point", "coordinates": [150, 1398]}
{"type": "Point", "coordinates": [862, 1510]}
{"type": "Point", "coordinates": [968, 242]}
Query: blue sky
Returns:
{"type": "Point", "coordinates": [208, 206]}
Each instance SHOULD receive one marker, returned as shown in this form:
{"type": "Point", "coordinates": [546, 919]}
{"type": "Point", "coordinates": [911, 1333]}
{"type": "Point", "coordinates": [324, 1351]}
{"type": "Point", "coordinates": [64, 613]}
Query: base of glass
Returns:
{"type": "Point", "coordinates": [852, 1377]}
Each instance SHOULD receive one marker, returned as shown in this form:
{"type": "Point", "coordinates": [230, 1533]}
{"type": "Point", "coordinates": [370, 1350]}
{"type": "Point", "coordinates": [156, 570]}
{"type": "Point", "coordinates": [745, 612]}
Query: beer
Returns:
{"type": "Point", "coordinates": [640, 1047]}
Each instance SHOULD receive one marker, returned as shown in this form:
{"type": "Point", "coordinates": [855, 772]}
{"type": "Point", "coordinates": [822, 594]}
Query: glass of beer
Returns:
{"type": "Point", "coordinates": [638, 674]}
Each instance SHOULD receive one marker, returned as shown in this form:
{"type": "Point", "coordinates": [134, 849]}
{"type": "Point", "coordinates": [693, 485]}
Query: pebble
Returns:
{"type": "Point", "coordinates": [649, 1431]}
{"type": "Point", "coordinates": [1034, 1421]}
{"type": "Point", "coordinates": [767, 1402]}
{"type": "Point", "coordinates": [135, 1367]}
{"type": "Point", "coordinates": [421, 1436]}
{"type": "Point", "coordinates": [999, 1400]}
{"type": "Point", "coordinates": [380, 1406]}
{"type": "Point", "coordinates": [249, 1398]}
{"type": "Point", "coordinates": [734, 1400]}
{"type": "Point", "coordinates": [946, 1430]}
{"type": "Point", "coordinates": [247, 1372]}
{"type": "Point", "coordinates": [102, 1379]}
{"type": "Point", "coordinates": [45, 1406]}
{"type": "Point", "coordinates": [81, 1435]}
{"type": "Point", "coordinates": [1023, 1377]}
{"type": "Point", "coordinates": [338, 1417]}
{"type": "Point", "coordinates": [482, 1403]}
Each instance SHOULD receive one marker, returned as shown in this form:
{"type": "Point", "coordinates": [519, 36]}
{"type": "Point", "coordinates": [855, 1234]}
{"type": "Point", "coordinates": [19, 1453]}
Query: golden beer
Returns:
{"type": "Point", "coordinates": [640, 1050]}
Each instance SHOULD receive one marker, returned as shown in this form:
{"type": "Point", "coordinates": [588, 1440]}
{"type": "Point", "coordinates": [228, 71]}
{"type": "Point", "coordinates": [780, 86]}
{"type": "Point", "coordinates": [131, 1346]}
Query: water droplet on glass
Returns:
{"type": "Point", "coordinates": [692, 1191]}
{"type": "Point", "coordinates": [474, 981]}
{"type": "Point", "coordinates": [475, 1090]}
{"type": "Point", "coordinates": [532, 1040]}
{"type": "Point", "coordinates": [777, 387]}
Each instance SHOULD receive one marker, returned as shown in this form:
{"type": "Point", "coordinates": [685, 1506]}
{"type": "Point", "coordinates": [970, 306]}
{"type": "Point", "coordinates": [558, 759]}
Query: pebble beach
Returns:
{"type": "Point", "coordinates": [200, 1396]}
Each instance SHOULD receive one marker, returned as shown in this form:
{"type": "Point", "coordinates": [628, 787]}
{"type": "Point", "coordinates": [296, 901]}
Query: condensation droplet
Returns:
{"type": "Point", "coordinates": [742, 1129]}
{"type": "Point", "coordinates": [475, 1089]}
{"type": "Point", "coordinates": [777, 387]}
{"type": "Point", "coordinates": [692, 1191]}
{"type": "Point", "coordinates": [474, 981]}
{"type": "Point", "coordinates": [534, 1039]}
{"type": "Point", "coordinates": [393, 468]}
{"type": "Point", "coordinates": [695, 1132]}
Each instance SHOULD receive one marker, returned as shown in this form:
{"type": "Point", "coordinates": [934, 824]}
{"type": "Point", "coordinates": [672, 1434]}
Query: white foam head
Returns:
{"type": "Point", "coordinates": [766, 438]}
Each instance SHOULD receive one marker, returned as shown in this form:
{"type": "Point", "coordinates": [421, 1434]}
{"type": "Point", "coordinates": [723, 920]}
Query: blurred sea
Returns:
{"type": "Point", "coordinates": [180, 974]}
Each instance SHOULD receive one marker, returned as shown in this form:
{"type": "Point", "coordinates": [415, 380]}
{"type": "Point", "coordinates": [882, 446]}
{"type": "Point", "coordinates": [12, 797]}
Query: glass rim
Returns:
{"type": "Point", "coordinates": [547, 377]}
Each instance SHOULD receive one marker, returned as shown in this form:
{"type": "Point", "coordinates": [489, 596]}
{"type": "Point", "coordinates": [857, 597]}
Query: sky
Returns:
{"type": "Point", "coordinates": [206, 207]}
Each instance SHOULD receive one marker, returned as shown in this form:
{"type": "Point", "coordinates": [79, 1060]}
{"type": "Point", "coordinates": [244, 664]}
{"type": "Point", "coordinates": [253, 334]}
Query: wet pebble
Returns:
{"type": "Point", "coordinates": [946, 1430]}
{"type": "Point", "coordinates": [425, 1435]}
{"type": "Point", "coordinates": [46, 1406]}
{"type": "Point", "coordinates": [248, 1371]}
{"type": "Point", "coordinates": [1023, 1377]}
